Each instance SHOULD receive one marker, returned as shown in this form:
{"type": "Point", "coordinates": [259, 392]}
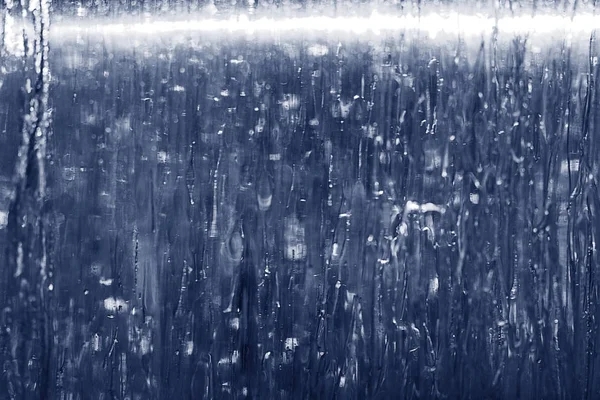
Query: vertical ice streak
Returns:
{"type": "Point", "coordinates": [28, 291]}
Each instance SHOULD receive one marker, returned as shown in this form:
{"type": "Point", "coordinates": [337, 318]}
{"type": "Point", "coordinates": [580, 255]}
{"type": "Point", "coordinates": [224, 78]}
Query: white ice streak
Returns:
{"type": "Point", "coordinates": [432, 24]}
{"type": "Point", "coordinates": [376, 23]}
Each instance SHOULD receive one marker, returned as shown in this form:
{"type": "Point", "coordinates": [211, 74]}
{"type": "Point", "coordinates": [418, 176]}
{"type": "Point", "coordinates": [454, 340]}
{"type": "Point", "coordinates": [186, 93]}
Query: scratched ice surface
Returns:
{"type": "Point", "coordinates": [212, 209]}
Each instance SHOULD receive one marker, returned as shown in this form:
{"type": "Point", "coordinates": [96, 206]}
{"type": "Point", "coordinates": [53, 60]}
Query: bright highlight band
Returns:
{"type": "Point", "coordinates": [432, 24]}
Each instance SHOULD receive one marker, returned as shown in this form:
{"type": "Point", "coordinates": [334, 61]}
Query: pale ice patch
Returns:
{"type": "Point", "coordinates": [317, 50]}
{"type": "Point", "coordinates": [294, 237]}
{"type": "Point", "coordinates": [96, 342]}
{"type": "Point", "coordinates": [189, 348]}
{"type": "Point", "coordinates": [115, 304]}
{"type": "Point", "coordinates": [434, 285]}
{"type": "Point", "coordinates": [264, 203]}
{"type": "Point", "coordinates": [145, 345]}
{"type": "Point", "coordinates": [3, 219]}
{"type": "Point", "coordinates": [413, 206]}
{"type": "Point", "coordinates": [474, 198]}
{"type": "Point", "coordinates": [574, 166]}
{"type": "Point", "coordinates": [13, 35]}
{"type": "Point", "coordinates": [235, 356]}
{"type": "Point", "coordinates": [106, 281]}
{"type": "Point", "coordinates": [162, 157]}
{"type": "Point", "coordinates": [291, 343]}
{"type": "Point", "coordinates": [290, 102]}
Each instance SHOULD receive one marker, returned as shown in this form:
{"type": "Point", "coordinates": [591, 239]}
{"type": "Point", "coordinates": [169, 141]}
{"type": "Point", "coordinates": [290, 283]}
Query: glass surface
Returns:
{"type": "Point", "coordinates": [299, 200]}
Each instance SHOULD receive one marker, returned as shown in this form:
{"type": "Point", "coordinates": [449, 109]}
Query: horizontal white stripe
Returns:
{"type": "Point", "coordinates": [433, 24]}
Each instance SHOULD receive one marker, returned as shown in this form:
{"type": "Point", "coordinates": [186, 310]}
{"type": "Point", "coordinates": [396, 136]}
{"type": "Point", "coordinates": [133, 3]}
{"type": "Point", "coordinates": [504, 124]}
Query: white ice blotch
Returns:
{"type": "Point", "coordinates": [235, 356]}
{"type": "Point", "coordinates": [81, 11]}
{"type": "Point", "coordinates": [434, 285]}
{"type": "Point", "coordinates": [13, 35]}
{"type": "Point", "coordinates": [145, 345]}
{"type": "Point", "coordinates": [413, 206]}
{"type": "Point", "coordinates": [474, 198]}
{"type": "Point", "coordinates": [290, 102]}
{"type": "Point", "coordinates": [113, 304]}
{"type": "Point", "coordinates": [335, 251]}
{"type": "Point", "coordinates": [317, 50]}
{"type": "Point", "coordinates": [3, 219]}
{"type": "Point", "coordinates": [349, 299]}
{"type": "Point", "coordinates": [20, 264]}
{"type": "Point", "coordinates": [189, 348]}
{"type": "Point", "coordinates": [403, 229]}
{"type": "Point", "coordinates": [106, 282]}
{"type": "Point", "coordinates": [96, 342]}
{"type": "Point", "coordinates": [574, 166]}
{"type": "Point", "coordinates": [162, 157]}
{"type": "Point", "coordinates": [264, 194]}
{"type": "Point", "coordinates": [291, 343]}
{"type": "Point", "coordinates": [264, 203]}
{"type": "Point", "coordinates": [294, 237]}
